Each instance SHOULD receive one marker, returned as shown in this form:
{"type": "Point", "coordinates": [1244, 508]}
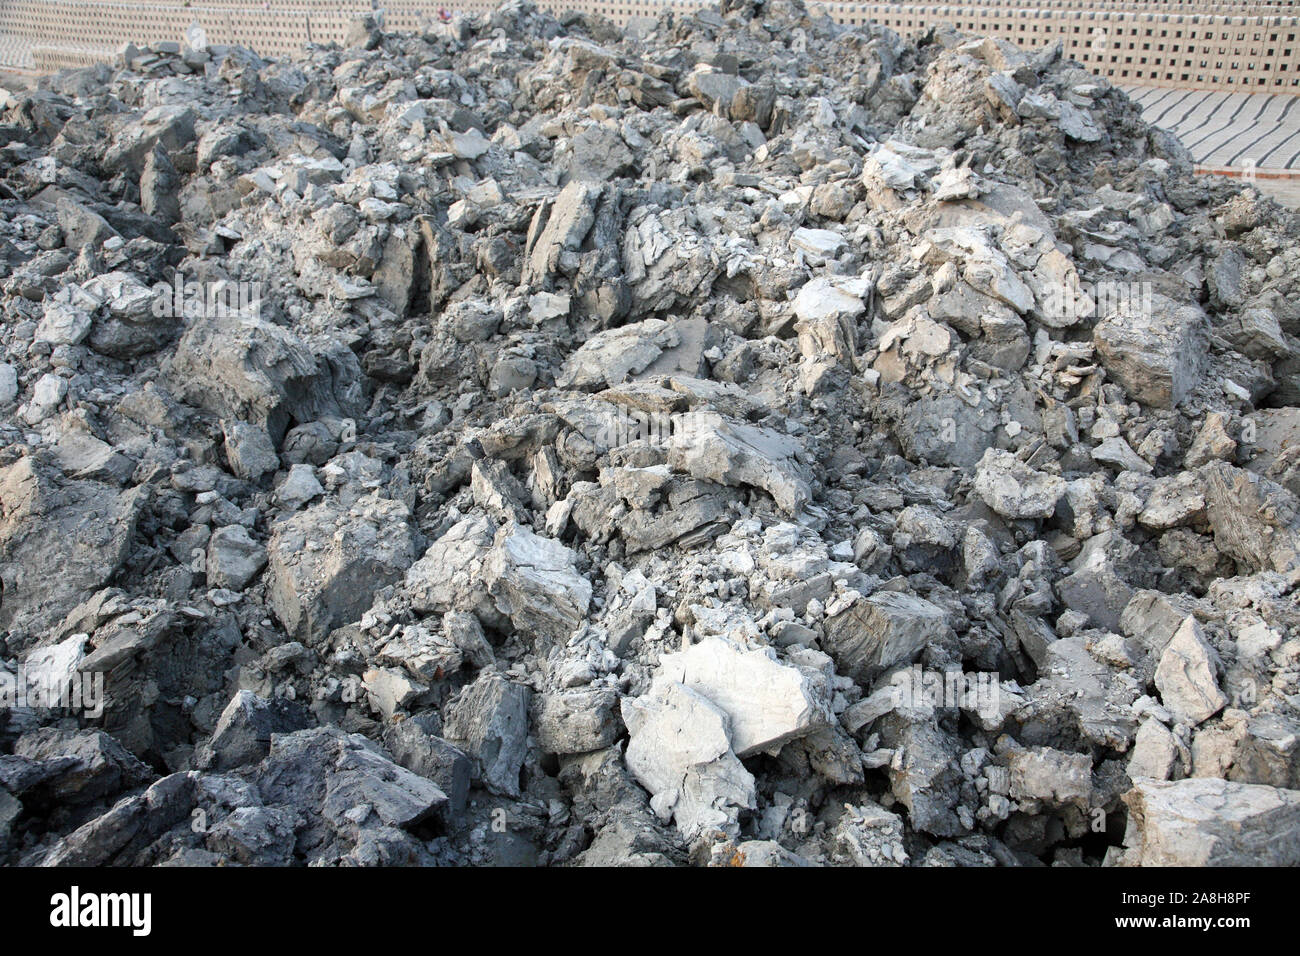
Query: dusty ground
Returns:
{"type": "Point", "coordinates": [10, 80]}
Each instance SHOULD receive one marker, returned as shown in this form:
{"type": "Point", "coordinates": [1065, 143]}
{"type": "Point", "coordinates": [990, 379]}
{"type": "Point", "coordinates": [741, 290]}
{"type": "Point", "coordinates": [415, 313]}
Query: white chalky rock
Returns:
{"type": "Point", "coordinates": [886, 168]}
{"type": "Point", "coordinates": [1154, 753]}
{"type": "Point", "coordinates": [831, 297]}
{"type": "Point", "coordinates": [768, 702]}
{"type": "Point", "coordinates": [63, 324]}
{"type": "Point", "coordinates": [680, 751]}
{"type": "Point", "coordinates": [818, 243]}
{"type": "Point", "coordinates": [8, 383]}
{"type": "Point", "coordinates": [535, 583]}
{"type": "Point", "coordinates": [734, 453]}
{"type": "Point", "coordinates": [1013, 489]}
{"type": "Point", "coordinates": [1209, 822]}
{"type": "Point", "coordinates": [49, 391]}
{"type": "Point", "coordinates": [1185, 676]}
{"type": "Point", "coordinates": [300, 486]}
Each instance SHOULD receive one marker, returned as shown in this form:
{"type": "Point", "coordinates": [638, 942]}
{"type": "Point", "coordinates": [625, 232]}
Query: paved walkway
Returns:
{"type": "Point", "coordinates": [1285, 191]}
{"type": "Point", "coordinates": [16, 52]}
{"type": "Point", "coordinates": [1227, 129]}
